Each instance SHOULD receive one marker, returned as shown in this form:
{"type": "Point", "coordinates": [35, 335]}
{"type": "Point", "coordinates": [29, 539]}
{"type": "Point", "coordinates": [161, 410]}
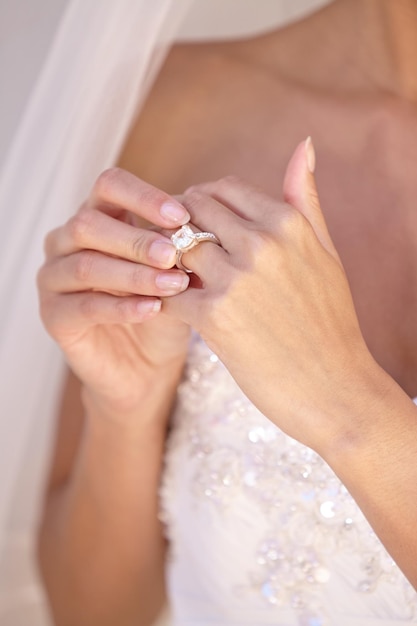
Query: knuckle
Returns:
{"type": "Point", "coordinates": [88, 306]}
{"type": "Point", "coordinates": [44, 309]}
{"type": "Point", "coordinates": [83, 265]}
{"type": "Point", "coordinates": [46, 279]}
{"type": "Point", "coordinates": [106, 181]}
{"type": "Point", "coordinates": [49, 243]}
{"type": "Point", "coordinates": [137, 277]}
{"type": "Point", "coordinates": [40, 277]}
{"type": "Point", "coordinates": [225, 184]}
{"type": "Point", "coordinates": [194, 199]}
{"type": "Point", "coordinates": [229, 181]}
{"type": "Point", "coordinates": [291, 223]}
{"type": "Point", "coordinates": [47, 313]}
{"type": "Point", "coordinates": [262, 242]}
{"type": "Point", "coordinates": [125, 309]}
{"type": "Point", "coordinates": [192, 188]}
{"type": "Point", "coordinates": [139, 246]}
{"type": "Point", "coordinates": [79, 225]}
{"type": "Point", "coordinates": [150, 195]}
{"type": "Point", "coordinates": [260, 249]}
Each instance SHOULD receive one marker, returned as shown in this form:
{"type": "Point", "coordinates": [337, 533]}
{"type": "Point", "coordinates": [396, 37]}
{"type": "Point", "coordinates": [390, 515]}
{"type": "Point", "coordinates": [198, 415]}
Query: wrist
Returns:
{"type": "Point", "coordinates": [149, 402]}
{"type": "Point", "coordinates": [370, 417]}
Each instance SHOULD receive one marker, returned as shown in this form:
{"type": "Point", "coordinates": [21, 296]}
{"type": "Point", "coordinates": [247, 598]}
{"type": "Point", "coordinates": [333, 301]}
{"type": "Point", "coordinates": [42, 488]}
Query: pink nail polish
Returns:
{"type": "Point", "coordinates": [148, 307]}
{"type": "Point", "coordinates": [175, 213]}
{"type": "Point", "coordinates": [311, 155]}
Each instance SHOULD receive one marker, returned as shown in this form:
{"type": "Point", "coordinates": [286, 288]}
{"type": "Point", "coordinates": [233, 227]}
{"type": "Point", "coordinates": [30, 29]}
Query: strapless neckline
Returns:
{"type": "Point", "coordinates": [261, 531]}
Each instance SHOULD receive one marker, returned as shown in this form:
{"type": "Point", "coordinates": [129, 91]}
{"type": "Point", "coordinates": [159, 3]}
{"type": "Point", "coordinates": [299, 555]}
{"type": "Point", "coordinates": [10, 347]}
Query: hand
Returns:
{"type": "Point", "coordinates": [101, 284]}
{"type": "Point", "coordinates": [275, 304]}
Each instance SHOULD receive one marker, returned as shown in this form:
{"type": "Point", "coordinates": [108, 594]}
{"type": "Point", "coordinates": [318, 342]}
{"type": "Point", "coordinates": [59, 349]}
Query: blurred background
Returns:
{"type": "Point", "coordinates": [27, 26]}
{"type": "Point", "coordinates": [26, 31]}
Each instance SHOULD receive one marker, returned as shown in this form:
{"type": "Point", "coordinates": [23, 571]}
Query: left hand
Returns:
{"type": "Point", "coordinates": [275, 304]}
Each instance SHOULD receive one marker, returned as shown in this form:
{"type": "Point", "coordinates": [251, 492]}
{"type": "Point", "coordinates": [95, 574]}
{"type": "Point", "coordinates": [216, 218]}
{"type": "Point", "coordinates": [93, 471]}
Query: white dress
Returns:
{"type": "Point", "coordinates": [261, 530]}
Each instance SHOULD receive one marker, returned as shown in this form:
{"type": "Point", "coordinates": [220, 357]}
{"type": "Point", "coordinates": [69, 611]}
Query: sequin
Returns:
{"type": "Point", "coordinates": [309, 525]}
{"type": "Point", "coordinates": [327, 509]}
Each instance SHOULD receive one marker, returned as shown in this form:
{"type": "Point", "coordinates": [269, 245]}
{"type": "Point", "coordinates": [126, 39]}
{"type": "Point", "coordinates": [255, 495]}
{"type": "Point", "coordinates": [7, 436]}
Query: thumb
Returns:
{"type": "Point", "coordinates": [301, 192]}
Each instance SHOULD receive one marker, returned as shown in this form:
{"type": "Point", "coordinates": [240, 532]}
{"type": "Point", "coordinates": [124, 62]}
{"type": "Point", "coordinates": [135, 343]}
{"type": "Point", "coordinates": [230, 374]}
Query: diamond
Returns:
{"type": "Point", "coordinates": [183, 238]}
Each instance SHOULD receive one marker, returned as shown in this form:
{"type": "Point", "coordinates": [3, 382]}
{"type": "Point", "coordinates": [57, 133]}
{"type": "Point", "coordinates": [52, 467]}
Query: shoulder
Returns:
{"type": "Point", "coordinates": [196, 105]}
{"type": "Point", "coordinates": [178, 118]}
{"type": "Point", "coordinates": [209, 102]}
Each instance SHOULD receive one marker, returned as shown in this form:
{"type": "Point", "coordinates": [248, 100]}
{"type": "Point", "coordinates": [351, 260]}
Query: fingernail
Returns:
{"type": "Point", "coordinates": [162, 252]}
{"type": "Point", "coordinates": [148, 307]}
{"type": "Point", "coordinates": [311, 155]}
{"type": "Point", "coordinates": [174, 213]}
{"type": "Point", "coordinates": [172, 282]}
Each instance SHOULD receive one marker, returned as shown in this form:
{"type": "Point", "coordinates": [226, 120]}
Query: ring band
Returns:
{"type": "Point", "coordinates": [185, 239]}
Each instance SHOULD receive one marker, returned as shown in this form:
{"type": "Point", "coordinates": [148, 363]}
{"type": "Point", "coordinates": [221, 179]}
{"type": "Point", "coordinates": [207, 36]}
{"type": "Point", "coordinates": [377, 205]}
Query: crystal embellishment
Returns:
{"type": "Point", "coordinates": [183, 238]}
{"type": "Point", "coordinates": [238, 489]}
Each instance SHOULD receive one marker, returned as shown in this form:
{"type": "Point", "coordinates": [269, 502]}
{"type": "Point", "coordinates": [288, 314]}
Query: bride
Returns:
{"type": "Point", "coordinates": [269, 476]}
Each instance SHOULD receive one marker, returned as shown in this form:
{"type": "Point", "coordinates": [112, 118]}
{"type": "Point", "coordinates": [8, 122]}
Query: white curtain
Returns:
{"type": "Point", "coordinates": [101, 62]}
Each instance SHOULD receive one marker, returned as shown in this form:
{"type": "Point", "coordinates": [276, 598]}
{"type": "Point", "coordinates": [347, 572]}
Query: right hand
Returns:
{"type": "Point", "coordinates": [100, 286]}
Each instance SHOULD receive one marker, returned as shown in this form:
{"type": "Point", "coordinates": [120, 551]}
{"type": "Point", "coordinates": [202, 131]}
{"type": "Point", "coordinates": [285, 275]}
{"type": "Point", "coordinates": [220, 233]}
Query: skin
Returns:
{"type": "Point", "coordinates": [355, 247]}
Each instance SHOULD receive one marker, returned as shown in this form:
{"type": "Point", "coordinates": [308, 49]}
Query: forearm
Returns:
{"type": "Point", "coordinates": [376, 460]}
{"type": "Point", "coordinates": [102, 549]}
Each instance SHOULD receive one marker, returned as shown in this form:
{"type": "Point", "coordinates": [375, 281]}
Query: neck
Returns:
{"type": "Point", "coordinates": [385, 42]}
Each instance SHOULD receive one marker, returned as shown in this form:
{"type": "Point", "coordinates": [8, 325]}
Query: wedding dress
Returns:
{"type": "Point", "coordinates": [261, 531]}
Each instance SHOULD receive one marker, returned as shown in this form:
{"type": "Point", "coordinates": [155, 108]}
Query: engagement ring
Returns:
{"type": "Point", "coordinates": [185, 238]}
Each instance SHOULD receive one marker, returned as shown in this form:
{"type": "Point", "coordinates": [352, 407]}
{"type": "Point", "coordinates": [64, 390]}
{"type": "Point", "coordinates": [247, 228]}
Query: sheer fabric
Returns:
{"type": "Point", "coordinates": [261, 530]}
{"type": "Point", "coordinates": [97, 73]}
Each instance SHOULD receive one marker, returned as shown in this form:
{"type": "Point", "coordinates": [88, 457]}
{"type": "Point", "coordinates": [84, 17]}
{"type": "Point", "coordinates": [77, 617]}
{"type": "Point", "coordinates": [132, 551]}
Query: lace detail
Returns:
{"type": "Point", "coordinates": [310, 530]}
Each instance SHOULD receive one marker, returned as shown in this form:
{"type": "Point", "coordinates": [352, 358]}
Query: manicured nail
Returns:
{"type": "Point", "coordinates": [148, 307]}
{"type": "Point", "coordinates": [162, 252]}
{"type": "Point", "coordinates": [174, 213]}
{"type": "Point", "coordinates": [172, 282]}
{"type": "Point", "coordinates": [311, 155]}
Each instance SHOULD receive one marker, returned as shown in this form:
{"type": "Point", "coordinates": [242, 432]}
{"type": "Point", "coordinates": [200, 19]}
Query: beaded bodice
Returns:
{"type": "Point", "coordinates": [261, 531]}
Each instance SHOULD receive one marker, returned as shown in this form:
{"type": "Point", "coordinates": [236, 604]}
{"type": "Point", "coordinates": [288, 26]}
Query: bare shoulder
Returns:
{"type": "Point", "coordinates": [213, 100]}
{"type": "Point", "coordinates": [192, 110]}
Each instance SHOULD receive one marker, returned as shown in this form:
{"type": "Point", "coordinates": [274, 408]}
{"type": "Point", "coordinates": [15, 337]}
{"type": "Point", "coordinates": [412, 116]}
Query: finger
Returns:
{"type": "Point", "coordinates": [209, 215]}
{"type": "Point", "coordinates": [120, 188]}
{"type": "Point", "coordinates": [65, 313]}
{"type": "Point", "coordinates": [94, 230]}
{"type": "Point", "coordinates": [207, 260]}
{"type": "Point", "coordinates": [301, 192]}
{"type": "Point", "coordinates": [88, 270]}
{"type": "Point", "coordinates": [191, 307]}
{"type": "Point", "coordinates": [244, 199]}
